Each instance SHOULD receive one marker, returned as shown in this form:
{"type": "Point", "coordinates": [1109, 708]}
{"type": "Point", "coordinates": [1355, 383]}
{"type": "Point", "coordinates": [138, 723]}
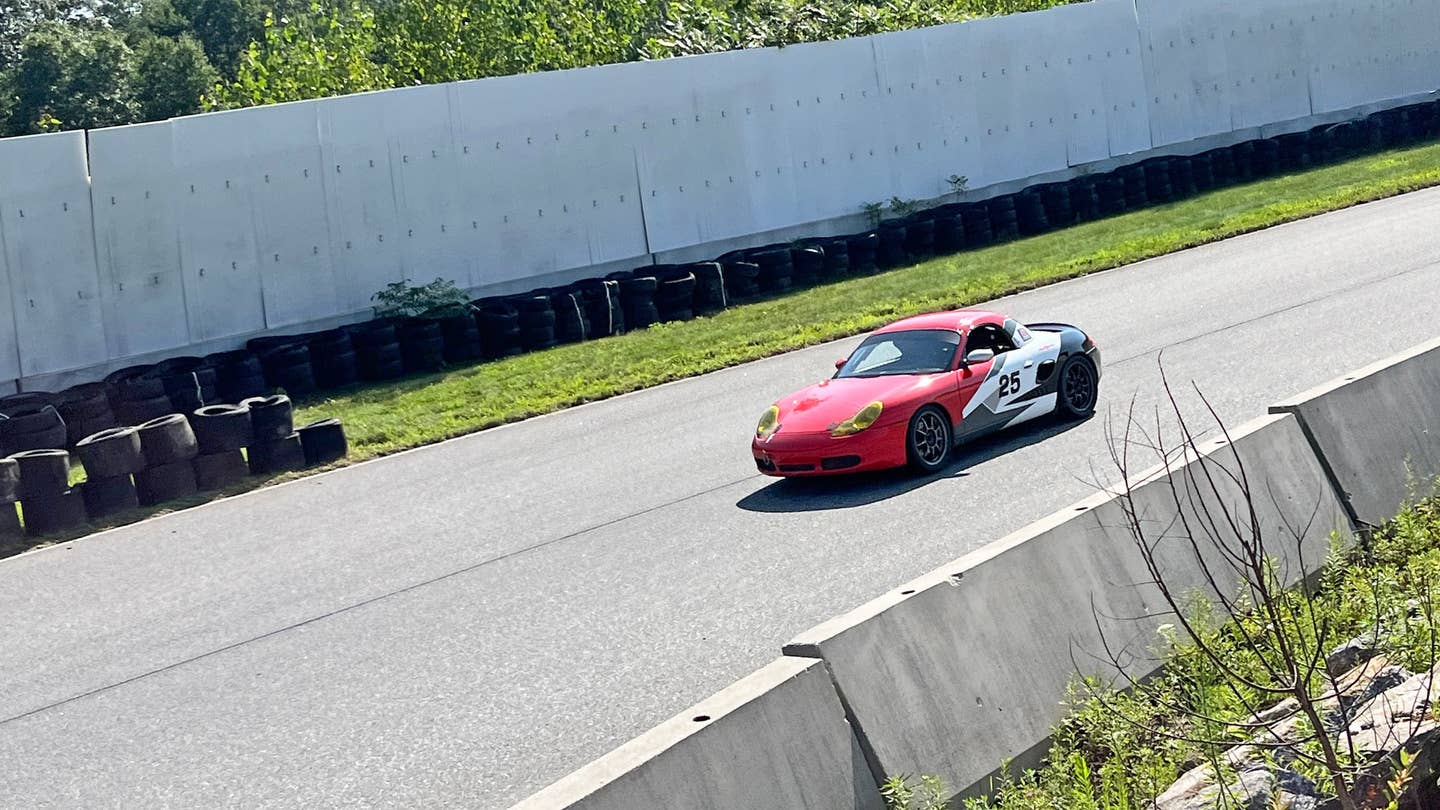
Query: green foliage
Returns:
{"type": "Point", "coordinates": [170, 76]}
{"type": "Point", "coordinates": [874, 211]}
{"type": "Point", "coordinates": [900, 794]}
{"type": "Point", "coordinates": [903, 208]}
{"type": "Point", "coordinates": [223, 27]}
{"type": "Point", "coordinates": [402, 300]}
{"type": "Point", "coordinates": [74, 76]}
{"type": "Point", "coordinates": [325, 51]}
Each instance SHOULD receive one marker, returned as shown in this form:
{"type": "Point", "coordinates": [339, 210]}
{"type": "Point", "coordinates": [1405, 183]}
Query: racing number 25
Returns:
{"type": "Point", "coordinates": [1009, 383]}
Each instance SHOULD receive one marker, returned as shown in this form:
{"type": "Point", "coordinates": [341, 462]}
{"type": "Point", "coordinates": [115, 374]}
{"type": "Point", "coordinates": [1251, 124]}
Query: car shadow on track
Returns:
{"type": "Point", "coordinates": [848, 491]}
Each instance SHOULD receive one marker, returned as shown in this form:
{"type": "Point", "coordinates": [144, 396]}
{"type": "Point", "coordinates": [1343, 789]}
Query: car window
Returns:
{"type": "Point", "coordinates": [919, 351]}
{"type": "Point", "coordinates": [1017, 332]}
{"type": "Point", "coordinates": [988, 336]}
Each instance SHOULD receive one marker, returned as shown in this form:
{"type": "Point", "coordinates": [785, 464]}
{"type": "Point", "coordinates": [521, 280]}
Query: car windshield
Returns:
{"type": "Point", "coordinates": [919, 351]}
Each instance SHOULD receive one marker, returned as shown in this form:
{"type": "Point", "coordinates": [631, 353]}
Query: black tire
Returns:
{"type": "Point", "coordinates": [1078, 390]}
{"type": "Point", "coordinates": [219, 470]}
{"type": "Point", "coordinates": [337, 370]}
{"type": "Point", "coordinates": [10, 527]}
{"type": "Point", "coordinates": [807, 264]}
{"type": "Point", "coordinates": [323, 442]}
{"type": "Point", "coordinates": [9, 480]}
{"type": "Point", "coordinates": [138, 412]}
{"type": "Point", "coordinates": [271, 418]}
{"type": "Point", "coordinates": [111, 453]}
{"type": "Point", "coordinates": [44, 430]}
{"type": "Point", "coordinates": [221, 428]}
{"type": "Point", "coordinates": [462, 338]}
{"type": "Point", "coordinates": [572, 325]}
{"type": "Point", "coordinates": [26, 402]}
{"type": "Point", "coordinates": [134, 383]}
{"type": "Point", "coordinates": [54, 513]}
{"type": "Point", "coordinates": [277, 456]}
{"type": "Point", "coordinates": [602, 306]}
{"type": "Point", "coordinates": [499, 327]}
{"type": "Point", "coordinates": [85, 401]}
{"type": "Point", "coordinates": [109, 496]}
{"type": "Point", "coordinates": [43, 473]}
{"type": "Point", "coordinates": [167, 440]}
{"type": "Point", "coordinates": [165, 482]}
{"type": "Point", "coordinates": [928, 439]}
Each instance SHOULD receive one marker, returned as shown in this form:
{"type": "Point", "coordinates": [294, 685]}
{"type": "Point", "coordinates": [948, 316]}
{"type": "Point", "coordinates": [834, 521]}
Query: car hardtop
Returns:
{"type": "Point", "coordinates": [957, 320]}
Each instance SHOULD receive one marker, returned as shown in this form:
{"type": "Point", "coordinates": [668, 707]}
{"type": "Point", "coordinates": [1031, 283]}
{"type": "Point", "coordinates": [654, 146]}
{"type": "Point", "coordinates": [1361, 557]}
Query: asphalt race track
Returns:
{"type": "Point", "coordinates": [461, 625]}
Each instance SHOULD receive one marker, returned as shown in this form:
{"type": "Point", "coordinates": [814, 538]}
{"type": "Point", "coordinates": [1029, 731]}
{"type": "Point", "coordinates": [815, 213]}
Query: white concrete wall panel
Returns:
{"type": "Point", "coordinates": [539, 203]}
{"type": "Point", "coordinates": [360, 198]}
{"type": "Point", "coordinates": [1114, 37]}
{"type": "Point", "coordinates": [910, 115]}
{"type": "Point", "coordinates": [1185, 70]}
{"type": "Point", "coordinates": [46, 217]}
{"type": "Point", "coordinates": [142, 290]}
{"type": "Point", "coordinates": [1268, 70]}
{"type": "Point", "coordinates": [292, 224]}
{"type": "Point", "coordinates": [428, 195]}
{"type": "Point", "coordinates": [214, 214]}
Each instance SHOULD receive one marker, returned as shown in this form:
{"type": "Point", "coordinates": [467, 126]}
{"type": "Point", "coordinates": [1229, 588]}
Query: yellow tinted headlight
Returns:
{"type": "Point", "coordinates": [768, 423]}
{"type": "Point", "coordinates": [864, 419]}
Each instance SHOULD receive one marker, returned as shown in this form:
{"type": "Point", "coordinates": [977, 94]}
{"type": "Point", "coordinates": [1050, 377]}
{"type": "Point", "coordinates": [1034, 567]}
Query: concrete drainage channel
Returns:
{"type": "Point", "coordinates": [964, 667]}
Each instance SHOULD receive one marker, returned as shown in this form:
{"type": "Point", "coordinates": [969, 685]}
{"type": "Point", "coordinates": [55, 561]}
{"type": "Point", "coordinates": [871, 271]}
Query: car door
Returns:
{"type": "Point", "coordinates": [1006, 390]}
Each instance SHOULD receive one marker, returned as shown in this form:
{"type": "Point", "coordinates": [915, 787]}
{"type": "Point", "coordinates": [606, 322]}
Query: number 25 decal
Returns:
{"type": "Point", "coordinates": [1009, 383]}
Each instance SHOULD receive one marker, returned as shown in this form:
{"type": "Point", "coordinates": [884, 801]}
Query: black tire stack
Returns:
{"type": "Point", "coordinates": [537, 321]}
{"type": "Point", "coordinates": [275, 446]}
{"type": "Point", "coordinates": [333, 360]}
{"type": "Point", "coordinates": [221, 434]}
{"type": "Point", "coordinates": [461, 331]}
{"type": "Point", "coordinates": [674, 292]}
{"type": "Point", "coordinates": [1004, 220]}
{"type": "Point", "coordinates": [1084, 198]}
{"type": "Point", "coordinates": [499, 322]}
{"type": "Point", "coordinates": [286, 361]}
{"type": "Point", "coordinates": [1030, 214]}
{"type": "Point", "coordinates": [1055, 198]}
{"type": "Point", "coordinates": [891, 252]}
{"type": "Point", "coordinates": [919, 236]}
{"type": "Point", "coordinates": [711, 294]}
{"type": "Point", "coordinates": [377, 353]}
{"type": "Point", "coordinates": [238, 374]}
{"type": "Point", "coordinates": [742, 276]}
{"type": "Point", "coordinates": [110, 458]}
{"type": "Point", "coordinates": [137, 394]}
{"type": "Point", "coordinates": [572, 323]}
{"type": "Point", "coordinates": [168, 445]}
{"type": "Point", "coordinates": [47, 501]}
{"type": "Point", "coordinates": [422, 345]}
{"type": "Point", "coordinates": [30, 422]}
{"type": "Point", "coordinates": [777, 269]}
{"type": "Point", "coordinates": [603, 308]}
{"type": "Point", "coordinates": [949, 230]}
{"type": "Point", "coordinates": [976, 218]}
{"type": "Point", "coordinates": [864, 250]}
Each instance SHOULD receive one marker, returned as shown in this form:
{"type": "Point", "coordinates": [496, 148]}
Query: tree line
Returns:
{"type": "Point", "coordinates": [69, 64]}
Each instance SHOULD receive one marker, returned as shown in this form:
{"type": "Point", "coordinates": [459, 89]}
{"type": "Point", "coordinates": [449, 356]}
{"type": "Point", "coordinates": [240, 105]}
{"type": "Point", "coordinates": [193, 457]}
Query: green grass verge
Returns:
{"type": "Point", "coordinates": [388, 418]}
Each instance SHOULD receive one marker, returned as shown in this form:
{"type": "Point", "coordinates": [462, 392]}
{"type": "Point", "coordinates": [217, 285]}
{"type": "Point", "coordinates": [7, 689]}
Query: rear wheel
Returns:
{"type": "Point", "coordinates": [1078, 390]}
{"type": "Point", "coordinates": [928, 440]}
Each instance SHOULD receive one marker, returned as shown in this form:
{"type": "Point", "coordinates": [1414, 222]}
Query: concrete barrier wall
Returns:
{"type": "Point", "coordinates": [777, 740]}
{"type": "Point", "coordinates": [1377, 430]}
{"type": "Point", "coordinates": [210, 229]}
{"type": "Point", "coordinates": [961, 669]}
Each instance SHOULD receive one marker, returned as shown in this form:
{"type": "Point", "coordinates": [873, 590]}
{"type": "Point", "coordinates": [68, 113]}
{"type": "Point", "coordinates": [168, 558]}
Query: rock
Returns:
{"type": "Point", "coordinates": [1393, 718]}
{"type": "Point", "coordinates": [1256, 787]}
{"type": "Point", "coordinates": [1349, 655]}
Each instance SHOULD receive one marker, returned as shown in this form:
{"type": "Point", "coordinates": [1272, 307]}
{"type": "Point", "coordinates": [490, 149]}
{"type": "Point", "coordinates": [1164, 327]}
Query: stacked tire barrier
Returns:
{"type": "Point", "coordinates": [497, 327]}
{"type": "Point", "coordinates": [169, 457]}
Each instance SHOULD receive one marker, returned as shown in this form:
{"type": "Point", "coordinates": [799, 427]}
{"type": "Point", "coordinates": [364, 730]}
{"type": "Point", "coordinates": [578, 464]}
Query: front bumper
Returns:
{"type": "Point", "coordinates": [787, 455]}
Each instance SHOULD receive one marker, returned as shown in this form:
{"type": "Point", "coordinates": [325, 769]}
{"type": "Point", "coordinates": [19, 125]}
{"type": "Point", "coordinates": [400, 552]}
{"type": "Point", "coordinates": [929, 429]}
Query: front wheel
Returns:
{"type": "Point", "coordinates": [1078, 389]}
{"type": "Point", "coordinates": [928, 441]}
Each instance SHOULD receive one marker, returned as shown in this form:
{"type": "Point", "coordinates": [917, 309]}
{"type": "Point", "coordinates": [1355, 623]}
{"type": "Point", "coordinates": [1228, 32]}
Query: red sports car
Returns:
{"type": "Point", "coordinates": [916, 388]}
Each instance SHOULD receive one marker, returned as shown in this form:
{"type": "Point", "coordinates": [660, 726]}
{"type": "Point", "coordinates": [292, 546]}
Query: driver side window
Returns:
{"type": "Point", "coordinates": [988, 336]}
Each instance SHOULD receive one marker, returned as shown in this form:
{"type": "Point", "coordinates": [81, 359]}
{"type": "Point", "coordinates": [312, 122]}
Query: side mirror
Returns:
{"type": "Point", "coordinates": [979, 356]}
{"type": "Point", "coordinates": [839, 364]}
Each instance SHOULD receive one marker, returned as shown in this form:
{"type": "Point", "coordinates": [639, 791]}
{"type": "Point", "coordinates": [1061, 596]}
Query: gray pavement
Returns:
{"type": "Point", "coordinates": [462, 624]}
